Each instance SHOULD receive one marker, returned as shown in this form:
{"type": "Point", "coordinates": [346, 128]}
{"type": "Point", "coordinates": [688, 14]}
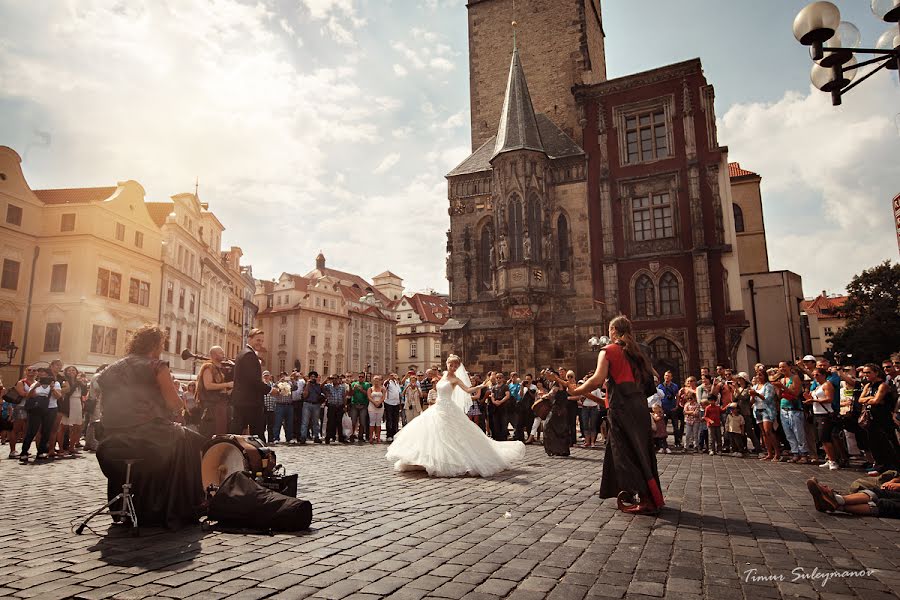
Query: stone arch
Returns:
{"type": "Point", "coordinates": [667, 355]}
{"type": "Point", "coordinates": [534, 224]}
{"type": "Point", "coordinates": [484, 232]}
{"type": "Point", "coordinates": [643, 294]}
{"type": "Point", "coordinates": [515, 227]}
{"type": "Point", "coordinates": [564, 241]}
{"type": "Point", "coordinates": [738, 218]}
{"type": "Point", "coordinates": [670, 292]}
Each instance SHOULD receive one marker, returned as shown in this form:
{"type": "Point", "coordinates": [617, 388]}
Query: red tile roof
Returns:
{"type": "Point", "coordinates": [159, 211]}
{"type": "Point", "coordinates": [429, 307]}
{"type": "Point", "coordinates": [74, 195]}
{"type": "Point", "coordinates": [735, 170]}
{"type": "Point", "coordinates": [364, 287]}
{"type": "Point", "coordinates": [824, 307]}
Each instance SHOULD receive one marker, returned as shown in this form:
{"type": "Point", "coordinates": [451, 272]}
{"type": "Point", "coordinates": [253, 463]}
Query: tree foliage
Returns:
{"type": "Point", "coordinates": [872, 311]}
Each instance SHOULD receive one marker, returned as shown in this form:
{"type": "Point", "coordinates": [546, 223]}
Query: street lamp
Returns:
{"type": "Point", "coordinates": [596, 343]}
{"type": "Point", "coordinates": [10, 350]}
{"type": "Point", "coordinates": [833, 44]}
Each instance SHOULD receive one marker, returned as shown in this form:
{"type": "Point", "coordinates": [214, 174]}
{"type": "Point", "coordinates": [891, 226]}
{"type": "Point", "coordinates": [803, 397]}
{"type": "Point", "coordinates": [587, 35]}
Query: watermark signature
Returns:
{"type": "Point", "coordinates": [800, 574]}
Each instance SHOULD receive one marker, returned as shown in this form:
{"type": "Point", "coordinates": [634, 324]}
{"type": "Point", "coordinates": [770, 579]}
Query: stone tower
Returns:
{"type": "Point", "coordinates": [518, 246]}
{"type": "Point", "coordinates": [560, 40]}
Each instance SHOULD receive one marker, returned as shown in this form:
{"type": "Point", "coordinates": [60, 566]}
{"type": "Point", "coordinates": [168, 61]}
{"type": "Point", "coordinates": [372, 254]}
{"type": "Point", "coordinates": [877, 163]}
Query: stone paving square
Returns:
{"type": "Point", "coordinates": [538, 531]}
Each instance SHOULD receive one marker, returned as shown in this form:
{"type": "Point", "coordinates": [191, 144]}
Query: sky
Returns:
{"type": "Point", "coordinates": [330, 124]}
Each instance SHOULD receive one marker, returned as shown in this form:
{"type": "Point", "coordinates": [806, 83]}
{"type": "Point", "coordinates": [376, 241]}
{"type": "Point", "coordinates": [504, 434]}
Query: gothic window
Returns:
{"type": "Point", "coordinates": [645, 137]}
{"type": "Point", "coordinates": [562, 235]}
{"type": "Point", "coordinates": [738, 218]}
{"type": "Point", "coordinates": [644, 297]}
{"type": "Point", "coordinates": [669, 295]}
{"type": "Point", "coordinates": [534, 226]}
{"type": "Point", "coordinates": [515, 228]}
{"type": "Point", "coordinates": [667, 357]}
{"type": "Point", "coordinates": [651, 217]}
{"type": "Point", "coordinates": [485, 276]}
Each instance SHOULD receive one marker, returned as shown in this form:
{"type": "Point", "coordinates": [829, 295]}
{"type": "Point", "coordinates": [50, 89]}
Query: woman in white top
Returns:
{"type": "Point", "coordinates": [763, 394]}
{"type": "Point", "coordinates": [72, 414]}
{"type": "Point", "coordinates": [376, 409]}
{"type": "Point", "coordinates": [820, 396]}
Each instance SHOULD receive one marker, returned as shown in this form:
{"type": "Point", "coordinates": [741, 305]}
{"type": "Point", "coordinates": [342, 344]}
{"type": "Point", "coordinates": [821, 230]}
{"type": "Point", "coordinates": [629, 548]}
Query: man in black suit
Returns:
{"type": "Point", "coordinates": [249, 388]}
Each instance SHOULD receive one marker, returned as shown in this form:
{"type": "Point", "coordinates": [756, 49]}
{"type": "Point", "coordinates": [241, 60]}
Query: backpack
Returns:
{"type": "Point", "coordinates": [242, 503]}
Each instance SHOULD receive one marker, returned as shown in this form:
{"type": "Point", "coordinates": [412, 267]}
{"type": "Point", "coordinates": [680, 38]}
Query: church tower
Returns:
{"type": "Point", "coordinates": [518, 246]}
{"type": "Point", "coordinates": [561, 41]}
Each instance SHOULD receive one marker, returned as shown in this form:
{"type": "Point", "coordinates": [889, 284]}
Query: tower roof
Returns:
{"type": "Point", "coordinates": [518, 125]}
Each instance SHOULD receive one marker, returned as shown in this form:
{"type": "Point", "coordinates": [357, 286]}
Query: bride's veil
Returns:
{"type": "Point", "coordinates": [460, 397]}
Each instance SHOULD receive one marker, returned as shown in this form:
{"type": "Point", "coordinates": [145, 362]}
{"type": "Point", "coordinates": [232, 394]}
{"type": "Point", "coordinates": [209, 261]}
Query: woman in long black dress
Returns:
{"type": "Point", "coordinates": [139, 404]}
{"type": "Point", "coordinates": [629, 465]}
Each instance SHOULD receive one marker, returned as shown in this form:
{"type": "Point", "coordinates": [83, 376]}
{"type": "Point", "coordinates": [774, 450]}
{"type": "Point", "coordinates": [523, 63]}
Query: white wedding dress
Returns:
{"type": "Point", "coordinates": [445, 443]}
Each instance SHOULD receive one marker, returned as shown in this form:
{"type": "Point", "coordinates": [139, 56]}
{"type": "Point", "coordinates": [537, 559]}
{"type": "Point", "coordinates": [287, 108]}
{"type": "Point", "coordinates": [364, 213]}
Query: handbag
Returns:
{"type": "Point", "coordinates": [865, 418]}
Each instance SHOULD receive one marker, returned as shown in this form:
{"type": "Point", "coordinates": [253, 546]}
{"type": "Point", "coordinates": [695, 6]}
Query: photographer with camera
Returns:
{"type": "Point", "coordinates": [41, 404]}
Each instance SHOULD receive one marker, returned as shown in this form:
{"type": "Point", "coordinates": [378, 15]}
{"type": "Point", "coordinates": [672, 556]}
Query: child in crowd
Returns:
{"type": "Point", "coordinates": [712, 415]}
{"type": "Point", "coordinates": [704, 430]}
{"type": "Point", "coordinates": [658, 426]}
{"type": "Point", "coordinates": [691, 421]}
{"type": "Point", "coordinates": [734, 430]}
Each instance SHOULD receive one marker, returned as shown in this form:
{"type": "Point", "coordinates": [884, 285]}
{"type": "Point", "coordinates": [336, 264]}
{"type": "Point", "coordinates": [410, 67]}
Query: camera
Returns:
{"type": "Point", "coordinates": [46, 380]}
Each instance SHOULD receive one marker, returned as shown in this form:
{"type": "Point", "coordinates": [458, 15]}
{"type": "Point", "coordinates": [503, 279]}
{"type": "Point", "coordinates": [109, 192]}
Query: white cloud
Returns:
{"type": "Point", "coordinates": [838, 159]}
{"type": "Point", "coordinates": [425, 52]}
{"type": "Point", "coordinates": [400, 70]}
{"type": "Point", "coordinates": [387, 163]}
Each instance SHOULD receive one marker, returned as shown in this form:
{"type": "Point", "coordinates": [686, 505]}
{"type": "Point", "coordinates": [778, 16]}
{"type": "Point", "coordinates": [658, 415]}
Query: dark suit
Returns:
{"type": "Point", "coordinates": [247, 394]}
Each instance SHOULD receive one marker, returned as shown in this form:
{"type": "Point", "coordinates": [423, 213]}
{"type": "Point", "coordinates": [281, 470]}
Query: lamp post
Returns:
{"type": "Point", "coordinates": [834, 43]}
{"type": "Point", "coordinates": [597, 343]}
{"type": "Point", "coordinates": [10, 350]}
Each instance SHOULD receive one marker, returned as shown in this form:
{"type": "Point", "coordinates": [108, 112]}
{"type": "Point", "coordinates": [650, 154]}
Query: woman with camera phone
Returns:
{"type": "Point", "coordinates": [629, 465]}
{"type": "Point", "coordinates": [41, 404]}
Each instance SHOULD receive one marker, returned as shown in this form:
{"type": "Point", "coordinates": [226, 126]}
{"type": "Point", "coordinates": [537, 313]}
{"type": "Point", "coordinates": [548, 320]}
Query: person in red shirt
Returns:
{"type": "Point", "coordinates": [713, 417]}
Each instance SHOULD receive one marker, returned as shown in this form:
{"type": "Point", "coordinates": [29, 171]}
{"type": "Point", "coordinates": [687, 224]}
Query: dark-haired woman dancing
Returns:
{"type": "Point", "coordinates": [629, 465]}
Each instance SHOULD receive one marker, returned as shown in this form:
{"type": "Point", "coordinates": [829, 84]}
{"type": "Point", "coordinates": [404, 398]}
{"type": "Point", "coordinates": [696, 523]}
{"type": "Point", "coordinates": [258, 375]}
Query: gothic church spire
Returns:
{"type": "Point", "coordinates": [518, 125]}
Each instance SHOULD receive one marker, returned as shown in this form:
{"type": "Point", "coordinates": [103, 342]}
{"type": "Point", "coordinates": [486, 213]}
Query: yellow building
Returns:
{"type": "Point", "coordinates": [81, 268]}
{"type": "Point", "coordinates": [305, 322]}
{"type": "Point", "coordinates": [179, 305]}
{"type": "Point", "coordinates": [749, 226]}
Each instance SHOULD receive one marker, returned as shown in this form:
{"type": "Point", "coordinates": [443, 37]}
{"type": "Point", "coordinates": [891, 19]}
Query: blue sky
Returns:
{"type": "Point", "coordinates": [329, 124]}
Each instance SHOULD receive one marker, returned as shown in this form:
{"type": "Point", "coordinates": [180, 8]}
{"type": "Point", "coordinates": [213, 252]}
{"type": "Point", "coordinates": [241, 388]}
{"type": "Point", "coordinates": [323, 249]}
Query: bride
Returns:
{"type": "Point", "coordinates": [444, 442]}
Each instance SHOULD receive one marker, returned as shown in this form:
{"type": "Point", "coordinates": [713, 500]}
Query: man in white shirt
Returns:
{"type": "Point", "coordinates": [392, 405]}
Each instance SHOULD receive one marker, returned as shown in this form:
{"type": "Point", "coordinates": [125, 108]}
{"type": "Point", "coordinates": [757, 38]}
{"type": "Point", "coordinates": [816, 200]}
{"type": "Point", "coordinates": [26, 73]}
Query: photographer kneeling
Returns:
{"type": "Point", "coordinates": [41, 400]}
{"type": "Point", "coordinates": [139, 405]}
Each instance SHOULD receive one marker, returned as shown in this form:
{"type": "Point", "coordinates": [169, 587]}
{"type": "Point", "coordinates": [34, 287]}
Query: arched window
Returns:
{"type": "Point", "coordinates": [644, 297]}
{"type": "Point", "coordinates": [485, 274]}
{"type": "Point", "coordinates": [666, 356]}
{"type": "Point", "coordinates": [516, 227]}
{"type": "Point", "coordinates": [562, 235]}
{"type": "Point", "coordinates": [534, 226]}
{"type": "Point", "coordinates": [669, 295]}
{"type": "Point", "coordinates": [738, 218]}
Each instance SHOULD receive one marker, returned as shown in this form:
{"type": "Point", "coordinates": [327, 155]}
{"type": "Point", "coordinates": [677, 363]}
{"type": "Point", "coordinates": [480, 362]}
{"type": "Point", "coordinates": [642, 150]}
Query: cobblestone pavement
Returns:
{"type": "Point", "coordinates": [538, 531]}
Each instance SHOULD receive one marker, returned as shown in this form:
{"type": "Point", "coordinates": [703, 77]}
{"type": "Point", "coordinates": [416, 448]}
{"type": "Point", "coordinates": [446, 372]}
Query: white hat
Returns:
{"type": "Point", "coordinates": [743, 375]}
{"type": "Point", "coordinates": [809, 358]}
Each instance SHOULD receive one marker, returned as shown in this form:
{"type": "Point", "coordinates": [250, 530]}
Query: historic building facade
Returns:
{"type": "Point", "coordinates": [518, 247]}
{"type": "Point", "coordinates": [328, 321]}
{"type": "Point", "coordinates": [84, 267]}
{"type": "Point", "coordinates": [419, 321]}
{"type": "Point", "coordinates": [663, 241]}
{"type": "Point", "coordinates": [599, 197]}
{"type": "Point", "coordinates": [81, 269]}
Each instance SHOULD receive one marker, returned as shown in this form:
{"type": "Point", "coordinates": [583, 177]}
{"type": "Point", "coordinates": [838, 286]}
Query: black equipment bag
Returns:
{"type": "Point", "coordinates": [240, 502]}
